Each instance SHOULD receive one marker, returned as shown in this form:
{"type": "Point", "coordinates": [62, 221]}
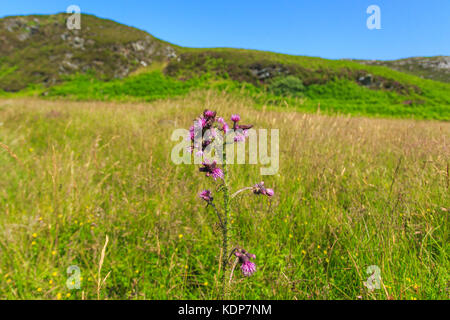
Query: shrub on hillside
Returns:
{"type": "Point", "coordinates": [287, 86]}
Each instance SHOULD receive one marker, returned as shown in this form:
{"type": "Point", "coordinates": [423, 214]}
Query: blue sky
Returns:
{"type": "Point", "coordinates": [327, 28]}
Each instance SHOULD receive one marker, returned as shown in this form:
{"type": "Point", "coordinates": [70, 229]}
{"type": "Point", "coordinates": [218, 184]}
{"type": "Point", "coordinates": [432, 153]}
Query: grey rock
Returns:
{"type": "Point", "coordinates": [69, 65]}
{"type": "Point", "coordinates": [78, 43]}
{"type": "Point", "coordinates": [138, 46]}
{"type": "Point", "coordinates": [366, 80]}
{"type": "Point", "coordinates": [23, 36]}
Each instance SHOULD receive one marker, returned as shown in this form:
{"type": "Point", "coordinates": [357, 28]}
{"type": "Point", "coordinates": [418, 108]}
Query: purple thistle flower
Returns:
{"type": "Point", "coordinates": [247, 267]}
{"type": "Point", "coordinates": [206, 195]}
{"type": "Point", "coordinates": [225, 128]}
{"type": "Point", "coordinates": [235, 118]}
{"type": "Point", "coordinates": [211, 169]}
{"type": "Point", "coordinates": [202, 122]}
{"type": "Point", "coordinates": [217, 173]}
{"type": "Point", "coordinates": [241, 135]}
{"type": "Point", "coordinates": [210, 117]}
{"type": "Point", "coordinates": [239, 138]}
{"type": "Point", "coordinates": [209, 114]}
{"type": "Point", "coordinates": [192, 132]}
{"type": "Point", "coordinates": [259, 188]}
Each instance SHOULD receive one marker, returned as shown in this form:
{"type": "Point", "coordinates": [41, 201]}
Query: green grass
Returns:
{"type": "Point", "coordinates": [339, 96]}
{"type": "Point", "coordinates": [332, 83]}
{"type": "Point", "coordinates": [146, 86]}
{"type": "Point", "coordinates": [351, 192]}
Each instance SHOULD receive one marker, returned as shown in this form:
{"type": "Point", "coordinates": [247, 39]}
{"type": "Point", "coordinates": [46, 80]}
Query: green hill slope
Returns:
{"type": "Point", "coordinates": [106, 60]}
{"type": "Point", "coordinates": [435, 68]}
{"type": "Point", "coordinates": [41, 49]}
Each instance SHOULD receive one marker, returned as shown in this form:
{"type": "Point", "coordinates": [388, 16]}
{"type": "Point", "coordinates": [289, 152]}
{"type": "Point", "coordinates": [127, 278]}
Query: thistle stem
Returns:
{"type": "Point", "coordinates": [239, 191]}
{"type": "Point", "coordinates": [218, 214]}
{"type": "Point", "coordinates": [226, 204]}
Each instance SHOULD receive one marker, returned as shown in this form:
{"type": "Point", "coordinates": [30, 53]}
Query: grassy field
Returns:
{"type": "Point", "coordinates": [350, 193]}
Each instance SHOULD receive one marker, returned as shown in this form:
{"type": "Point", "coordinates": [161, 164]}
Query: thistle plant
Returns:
{"type": "Point", "coordinates": [210, 135]}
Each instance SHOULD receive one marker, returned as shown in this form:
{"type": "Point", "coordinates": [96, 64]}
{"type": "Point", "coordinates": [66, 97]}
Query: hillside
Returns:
{"type": "Point", "coordinates": [106, 60]}
{"type": "Point", "coordinates": [435, 68]}
{"type": "Point", "coordinates": [40, 49]}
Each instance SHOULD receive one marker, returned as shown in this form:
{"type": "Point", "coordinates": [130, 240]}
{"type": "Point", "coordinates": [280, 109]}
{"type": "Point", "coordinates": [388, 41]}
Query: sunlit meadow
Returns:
{"type": "Point", "coordinates": [350, 193]}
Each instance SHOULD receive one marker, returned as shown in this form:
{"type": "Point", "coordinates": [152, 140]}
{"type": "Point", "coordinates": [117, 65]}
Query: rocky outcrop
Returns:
{"type": "Point", "coordinates": [436, 68]}
{"type": "Point", "coordinates": [41, 49]}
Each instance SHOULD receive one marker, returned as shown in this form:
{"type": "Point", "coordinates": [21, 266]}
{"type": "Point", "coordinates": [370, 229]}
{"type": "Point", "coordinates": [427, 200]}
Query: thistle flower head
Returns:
{"type": "Point", "coordinates": [239, 138]}
{"type": "Point", "coordinates": [206, 195]}
{"type": "Point", "coordinates": [200, 123]}
{"type": "Point", "coordinates": [235, 118]}
{"type": "Point", "coordinates": [247, 267]}
{"type": "Point", "coordinates": [241, 135]}
{"type": "Point", "coordinates": [259, 188]}
{"type": "Point", "coordinates": [208, 114]}
{"type": "Point", "coordinates": [225, 128]}
{"type": "Point", "coordinates": [210, 118]}
{"type": "Point", "coordinates": [192, 132]}
{"type": "Point", "coordinates": [217, 173]}
{"type": "Point", "coordinates": [211, 169]}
